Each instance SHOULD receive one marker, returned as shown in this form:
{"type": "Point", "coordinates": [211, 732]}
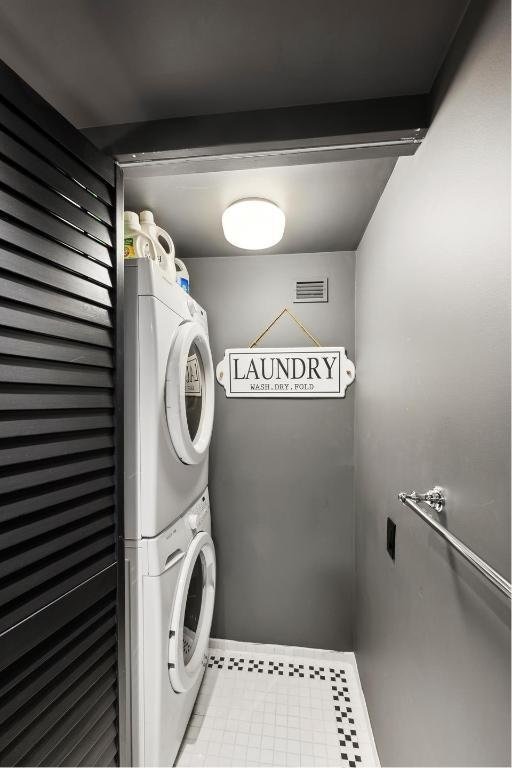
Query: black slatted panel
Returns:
{"type": "Point", "coordinates": [59, 434]}
{"type": "Point", "coordinates": [58, 688]}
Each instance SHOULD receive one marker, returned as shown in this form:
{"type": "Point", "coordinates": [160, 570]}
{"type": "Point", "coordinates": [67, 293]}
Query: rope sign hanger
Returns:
{"type": "Point", "coordinates": [275, 320]}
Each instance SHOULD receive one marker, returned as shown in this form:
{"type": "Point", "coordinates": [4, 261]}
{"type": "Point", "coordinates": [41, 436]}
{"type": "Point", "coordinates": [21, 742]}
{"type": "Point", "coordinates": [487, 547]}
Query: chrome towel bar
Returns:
{"type": "Point", "coordinates": [436, 500]}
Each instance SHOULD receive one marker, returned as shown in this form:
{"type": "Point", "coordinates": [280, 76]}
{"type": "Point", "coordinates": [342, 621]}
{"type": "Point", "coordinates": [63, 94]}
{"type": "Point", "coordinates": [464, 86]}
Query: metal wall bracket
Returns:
{"type": "Point", "coordinates": [435, 498]}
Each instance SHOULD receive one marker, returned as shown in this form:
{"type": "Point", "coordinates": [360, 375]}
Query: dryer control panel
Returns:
{"type": "Point", "coordinates": [197, 313]}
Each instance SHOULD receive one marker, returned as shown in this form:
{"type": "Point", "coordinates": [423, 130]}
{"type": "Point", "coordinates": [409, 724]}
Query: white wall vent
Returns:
{"type": "Point", "coordinates": [312, 290]}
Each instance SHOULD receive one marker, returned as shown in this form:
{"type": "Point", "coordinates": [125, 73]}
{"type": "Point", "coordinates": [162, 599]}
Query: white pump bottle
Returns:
{"type": "Point", "coordinates": [137, 245]}
{"type": "Point", "coordinates": [163, 244]}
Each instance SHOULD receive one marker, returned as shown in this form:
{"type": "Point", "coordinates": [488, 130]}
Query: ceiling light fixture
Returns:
{"type": "Point", "coordinates": [253, 224]}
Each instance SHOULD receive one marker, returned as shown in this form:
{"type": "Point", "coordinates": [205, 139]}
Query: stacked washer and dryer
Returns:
{"type": "Point", "coordinates": [169, 553]}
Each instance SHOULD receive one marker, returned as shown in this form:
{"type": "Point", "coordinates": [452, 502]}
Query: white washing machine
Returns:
{"type": "Point", "coordinates": [170, 608]}
{"type": "Point", "coordinates": [169, 400]}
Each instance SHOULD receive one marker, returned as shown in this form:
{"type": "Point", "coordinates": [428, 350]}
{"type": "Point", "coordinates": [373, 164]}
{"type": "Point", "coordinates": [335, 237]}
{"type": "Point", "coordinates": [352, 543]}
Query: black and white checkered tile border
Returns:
{"type": "Point", "coordinates": [335, 678]}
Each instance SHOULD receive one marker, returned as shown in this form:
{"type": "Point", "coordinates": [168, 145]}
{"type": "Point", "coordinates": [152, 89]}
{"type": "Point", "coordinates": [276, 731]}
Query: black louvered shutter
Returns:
{"type": "Point", "coordinates": [60, 437]}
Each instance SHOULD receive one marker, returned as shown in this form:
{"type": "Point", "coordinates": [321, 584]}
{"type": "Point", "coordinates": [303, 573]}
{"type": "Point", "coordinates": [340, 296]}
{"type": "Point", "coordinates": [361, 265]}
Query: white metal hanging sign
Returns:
{"type": "Point", "coordinates": [294, 372]}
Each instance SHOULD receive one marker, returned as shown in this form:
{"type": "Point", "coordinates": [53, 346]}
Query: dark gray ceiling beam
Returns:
{"type": "Point", "coordinates": [350, 130]}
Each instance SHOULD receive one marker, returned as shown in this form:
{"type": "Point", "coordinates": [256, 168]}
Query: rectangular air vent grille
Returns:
{"type": "Point", "coordinates": [313, 290]}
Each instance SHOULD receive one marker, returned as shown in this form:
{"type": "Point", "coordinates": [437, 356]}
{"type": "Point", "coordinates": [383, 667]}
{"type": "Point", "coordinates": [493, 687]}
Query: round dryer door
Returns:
{"type": "Point", "coordinates": [189, 393]}
{"type": "Point", "coordinates": [192, 613]}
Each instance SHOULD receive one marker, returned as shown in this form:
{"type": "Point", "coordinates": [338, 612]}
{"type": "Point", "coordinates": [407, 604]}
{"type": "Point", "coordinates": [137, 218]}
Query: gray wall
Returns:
{"type": "Point", "coordinates": [432, 299]}
{"type": "Point", "coordinates": [281, 476]}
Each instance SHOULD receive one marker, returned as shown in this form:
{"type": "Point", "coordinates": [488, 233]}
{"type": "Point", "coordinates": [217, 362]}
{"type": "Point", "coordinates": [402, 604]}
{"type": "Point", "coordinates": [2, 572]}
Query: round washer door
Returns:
{"type": "Point", "coordinates": [189, 393]}
{"type": "Point", "coordinates": [192, 613]}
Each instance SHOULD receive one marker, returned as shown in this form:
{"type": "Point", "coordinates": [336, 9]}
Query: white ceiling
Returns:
{"type": "Point", "coordinates": [327, 205]}
{"type": "Point", "coordinates": [102, 62]}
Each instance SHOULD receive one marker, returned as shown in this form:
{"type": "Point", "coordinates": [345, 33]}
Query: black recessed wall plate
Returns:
{"type": "Point", "coordinates": [391, 538]}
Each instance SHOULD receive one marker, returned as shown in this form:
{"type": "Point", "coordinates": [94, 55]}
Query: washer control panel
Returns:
{"type": "Point", "coordinates": [197, 513]}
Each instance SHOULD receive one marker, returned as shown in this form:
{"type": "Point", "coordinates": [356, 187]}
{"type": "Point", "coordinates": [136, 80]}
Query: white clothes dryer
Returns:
{"type": "Point", "coordinates": [169, 400]}
{"type": "Point", "coordinates": [169, 612]}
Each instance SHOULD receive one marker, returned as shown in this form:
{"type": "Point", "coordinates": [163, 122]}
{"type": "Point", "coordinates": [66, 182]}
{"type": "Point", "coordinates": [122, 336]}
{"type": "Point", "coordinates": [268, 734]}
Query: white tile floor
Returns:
{"type": "Point", "coordinates": [278, 706]}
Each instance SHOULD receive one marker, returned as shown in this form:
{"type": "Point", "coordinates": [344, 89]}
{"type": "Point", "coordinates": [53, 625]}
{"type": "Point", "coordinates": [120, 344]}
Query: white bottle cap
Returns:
{"type": "Point", "coordinates": [146, 217]}
{"type": "Point", "coordinates": [131, 220]}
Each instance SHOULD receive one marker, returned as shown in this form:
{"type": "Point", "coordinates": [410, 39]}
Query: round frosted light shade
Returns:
{"type": "Point", "coordinates": [253, 224]}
